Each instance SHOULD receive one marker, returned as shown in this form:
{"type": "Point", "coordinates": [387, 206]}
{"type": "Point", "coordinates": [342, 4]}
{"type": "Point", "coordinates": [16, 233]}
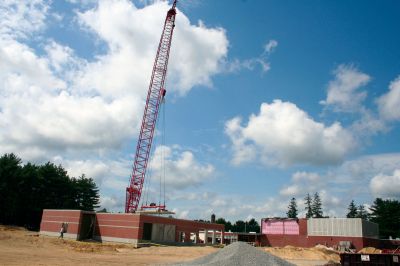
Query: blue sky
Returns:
{"type": "Point", "coordinates": [266, 100]}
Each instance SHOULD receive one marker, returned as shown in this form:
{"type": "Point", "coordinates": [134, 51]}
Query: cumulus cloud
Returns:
{"type": "Point", "coordinates": [132, 36]}
{"type": "Point", "coordinates": [231, 207]}
{"type": "Point", "coordinates": [310, 182]}
{"type": "Point", "coordinates": [106, 172]}
{"type": "Point", "coordinates": [339, 185]}
{"type": "Point", "coordinates": [283, 134]}
{"type": "Point", "coordinates": [181, 168]}
{"type": "Point", "coordinates": [55, 103]}
{"type": "Point", "coordinates": [336, 187]}
{"type": "Point", "coordinates": [344, 93]}
{"type": "Point", "coordinates": [389, 103]}
{"type": "Point", "coordinates": [365, 167]}
{"type": "Point", "coordinates": [302, 183]}
{"type": "Point", "coordinates": [183, 171]}
{"type": "Point", "coordinates": [386, 186]}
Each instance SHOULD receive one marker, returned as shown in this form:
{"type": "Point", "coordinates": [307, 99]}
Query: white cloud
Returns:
{"type": "Point", "coordinates": [182, 214]}
{"type": "Point", "coordinates": [231, 207]}
{"type": "Point", "coordinates": [112, 203]}
{"type": "Point", "coordinates": [365, 167]}
{"type": "Point", "coordinates": [306, 176]}
{"type": "Point", "coordinates": [56, 103]}
{"type": "Point", "coordinates": [303, 183]}
{"type": "Point", "coordinates": [132, 36]}
{"type": "Point", "coordinates": [21, 19]}
{"type": "Point", "coordinates": [250, 64]}
{"type": "Point", "coordinates": [348, 182]}
{"type": "Point", "coordinates": [270, 46]}
{"type": "Point", "coordinates": [369, 124]}
{"type": "Point", "coordinates": [23, 70]}
{"type": "Point", "coordinates": [283, 134]}
{"type": "Point", "coordinates": [60, 57]}
{"type": "Point", "coordinates": [386, 186]}
{"type": "Point", "coordinates": [291, 190]}
{"type": "Point", "coordinates": [343, 92]}
{"type": "Point", "coordinates": [310, 182]}
{"type": "Point", "coordinates": [243, 151]}
{"type": "Point", "coordinates": [181, 168]}
{"type": "Point", "coordinates": [389, 103]}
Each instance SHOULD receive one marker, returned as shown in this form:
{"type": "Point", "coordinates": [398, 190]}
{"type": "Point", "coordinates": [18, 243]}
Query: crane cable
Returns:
{"type": "Point", "coordinates": [163, 151]}
{"type": "Point", "coordinates": [162, 172]}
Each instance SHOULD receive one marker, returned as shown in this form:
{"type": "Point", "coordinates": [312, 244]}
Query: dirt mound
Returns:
{"type": "Point", "coordinates": [370, 250]}
{"type": "Point", "coordinates": [11, 228]}
{"type": "Point", "coordinates": [319, 246]}
{"type": "Point", "coordinates": [89, 246]}
{"type": "Point", "coordinates": [315, 253]}
{"type": "Point", "coordinates": [236, 254]}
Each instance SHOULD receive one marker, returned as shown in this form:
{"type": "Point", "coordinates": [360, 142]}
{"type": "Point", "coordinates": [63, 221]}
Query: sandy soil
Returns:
{"type": "Point", "coordinates": [305, 256]}
{"type": "Point", "coordinates": [21, 247]}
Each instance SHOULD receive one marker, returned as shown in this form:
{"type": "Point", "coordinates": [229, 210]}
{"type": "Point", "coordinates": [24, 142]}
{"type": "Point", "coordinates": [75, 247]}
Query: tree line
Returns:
{"type": "Point", "coordinates": [384, 212]}
{"type": "Point", "coordinates": [239, 226]}
{"type": "Point", "coordinates": [25, 190]}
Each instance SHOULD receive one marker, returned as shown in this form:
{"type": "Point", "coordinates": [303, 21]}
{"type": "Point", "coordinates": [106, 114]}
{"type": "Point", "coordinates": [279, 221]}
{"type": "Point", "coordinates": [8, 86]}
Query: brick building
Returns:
{"type": "Point", "coordinates": [331, 232]}
{"type": "Point", "coordinates": [126, 228]}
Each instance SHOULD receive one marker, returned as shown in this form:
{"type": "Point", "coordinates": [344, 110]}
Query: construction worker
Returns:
{"type": "Point", "coordinates": [62, 230]}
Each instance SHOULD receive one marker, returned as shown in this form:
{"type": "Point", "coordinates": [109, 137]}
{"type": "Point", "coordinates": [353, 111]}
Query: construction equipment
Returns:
{"type": "Point", "coordinates": [155, 96]}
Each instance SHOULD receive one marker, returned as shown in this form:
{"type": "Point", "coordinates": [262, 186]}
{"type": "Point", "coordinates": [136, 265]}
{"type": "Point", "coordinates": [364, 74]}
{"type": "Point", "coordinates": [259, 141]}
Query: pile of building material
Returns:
{"type": "Point", "coordinates": [236, 254]}
{"type": "Point", "coordinates": [370, 250]}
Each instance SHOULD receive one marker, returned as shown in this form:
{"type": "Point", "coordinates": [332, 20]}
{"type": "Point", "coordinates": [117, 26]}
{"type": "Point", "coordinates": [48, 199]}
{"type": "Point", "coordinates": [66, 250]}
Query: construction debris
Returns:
{"type": "Point", "coordinates": [370, 250]}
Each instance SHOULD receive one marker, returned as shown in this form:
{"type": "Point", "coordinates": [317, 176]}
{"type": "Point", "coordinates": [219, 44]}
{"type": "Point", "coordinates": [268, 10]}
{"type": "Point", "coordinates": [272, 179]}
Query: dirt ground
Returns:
{"type": "Point", "coordinates": [22, 247]}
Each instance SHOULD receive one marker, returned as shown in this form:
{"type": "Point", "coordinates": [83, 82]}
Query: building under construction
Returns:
{"type": "Point", "coordinates": [140, 229]}
{"type": "Point", "coordinates": [137, 229]}
{"type": "Point", "coordinates": [340, 233]}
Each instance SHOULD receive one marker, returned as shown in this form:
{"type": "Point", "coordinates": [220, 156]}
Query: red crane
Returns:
{"type": "Point", "coordinates": [155, 96]}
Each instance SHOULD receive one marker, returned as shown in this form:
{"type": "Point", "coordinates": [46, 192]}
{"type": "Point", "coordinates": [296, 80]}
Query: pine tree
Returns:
{"type": "Point", "coordinates": [292, 209]}
{"type": "Point", "coordinates": [317, 206]}
{"type": "Point", "coordinates": [87, 193]}
{"type": "Point", "coordinates": [308, 204]}
{"type": "Point", "coordinates": [361, 212]}
{"type": "Point", "coordinates": [386, 213]}
{"type": "Point", "coordinates": [352, 210]}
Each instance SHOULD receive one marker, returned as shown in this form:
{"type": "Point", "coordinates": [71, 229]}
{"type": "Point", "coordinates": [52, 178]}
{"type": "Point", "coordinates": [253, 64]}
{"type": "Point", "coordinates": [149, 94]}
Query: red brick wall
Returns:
{"type": "Point", "coordinates": [303, 227]}
{"type": "Point", "coordinates": [52, 220]}
{"type": "Point", "coordinates": [117, 225]}
{"type": "Point", "coordinates": [284, 240]}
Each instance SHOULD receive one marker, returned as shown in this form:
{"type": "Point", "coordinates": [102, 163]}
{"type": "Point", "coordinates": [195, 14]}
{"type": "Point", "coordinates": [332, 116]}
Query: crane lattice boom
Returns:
{"type": "Point", "coordinates": [154, 97]}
